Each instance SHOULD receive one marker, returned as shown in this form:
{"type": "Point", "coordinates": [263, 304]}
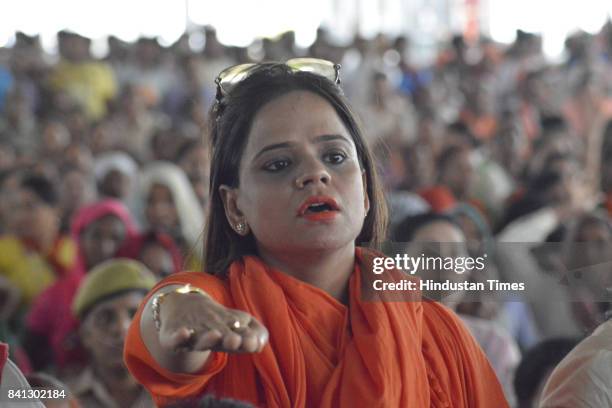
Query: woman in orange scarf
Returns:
{"type": "Point", "coordinates": [280, 319]}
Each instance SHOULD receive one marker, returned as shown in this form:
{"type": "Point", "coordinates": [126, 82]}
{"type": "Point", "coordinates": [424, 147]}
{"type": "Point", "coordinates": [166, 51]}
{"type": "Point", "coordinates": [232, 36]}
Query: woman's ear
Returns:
{"type": "Point", "coordinates": [234, 215]}
{"type": "Point", "coordinates": [366, 199]}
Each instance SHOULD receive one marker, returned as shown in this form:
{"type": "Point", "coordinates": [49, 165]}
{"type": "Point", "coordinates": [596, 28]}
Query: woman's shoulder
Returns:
{"type": "Point", "coordinates": [580, 380]}
{"type": "Point", "coordinates": [593, 354]}
{"type": "Point", "coordinates": [435, 313]}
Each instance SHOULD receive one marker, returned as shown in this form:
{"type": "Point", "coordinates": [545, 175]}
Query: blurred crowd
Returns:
{"type": "Point", "coordinates": [104, 185]}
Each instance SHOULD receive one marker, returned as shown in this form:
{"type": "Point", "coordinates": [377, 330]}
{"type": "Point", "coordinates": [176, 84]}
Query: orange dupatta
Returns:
{"type": "Point", "coordinates": [324, 354]}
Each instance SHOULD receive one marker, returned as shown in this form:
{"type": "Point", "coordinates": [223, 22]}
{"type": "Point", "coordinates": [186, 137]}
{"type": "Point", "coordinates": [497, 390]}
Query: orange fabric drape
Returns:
{"type": "Point", "coordinates": [325, 354]}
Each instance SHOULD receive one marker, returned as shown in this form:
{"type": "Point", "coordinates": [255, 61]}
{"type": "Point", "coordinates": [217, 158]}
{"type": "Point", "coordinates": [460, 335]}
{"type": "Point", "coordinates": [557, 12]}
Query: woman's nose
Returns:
{"type": "Point", "coordinates": [313, 173]}
{"type": "Point", "coordinates": [108, 247]}
{"type": "Point", "coordinates": [121, 326]}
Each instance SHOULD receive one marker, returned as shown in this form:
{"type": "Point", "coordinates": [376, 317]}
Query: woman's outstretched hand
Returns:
{"type": "Point", "coordinates": [196, 322]}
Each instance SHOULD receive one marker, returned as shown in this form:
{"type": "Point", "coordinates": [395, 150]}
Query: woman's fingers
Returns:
{"type": "Point", "coordinates": [207, 340]}
{"type": "Point", "coordinates": [243, 319]}
{"type": "Point", "coordinates": [231, 342]}
{"type": "Point", "coordinates": [250, 341]}
{"type": "Point", "coordinates": [203, 325]}
{"type": "Point", "coordinates": [261, 332]}
{"type": "Point", "coordinates": [175, 339]}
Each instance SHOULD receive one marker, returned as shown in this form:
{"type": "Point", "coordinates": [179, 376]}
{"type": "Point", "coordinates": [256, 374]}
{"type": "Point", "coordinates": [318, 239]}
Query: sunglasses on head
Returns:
{"type": "Point", "coordinates": [230, 77]}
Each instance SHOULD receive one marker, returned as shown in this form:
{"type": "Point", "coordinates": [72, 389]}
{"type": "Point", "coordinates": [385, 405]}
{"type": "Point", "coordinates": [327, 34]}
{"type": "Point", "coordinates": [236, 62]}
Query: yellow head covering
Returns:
{"type": "Point", "coordinates": [111, 277]}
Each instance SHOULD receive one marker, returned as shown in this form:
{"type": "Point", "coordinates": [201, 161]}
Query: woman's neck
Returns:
{"type": "Point", "coordinates": [327, 270]}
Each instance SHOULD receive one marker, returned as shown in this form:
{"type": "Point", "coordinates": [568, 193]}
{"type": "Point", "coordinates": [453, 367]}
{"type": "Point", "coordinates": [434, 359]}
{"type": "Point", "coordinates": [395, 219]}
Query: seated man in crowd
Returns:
{"type": "Point", "coordinates": [105, 304]}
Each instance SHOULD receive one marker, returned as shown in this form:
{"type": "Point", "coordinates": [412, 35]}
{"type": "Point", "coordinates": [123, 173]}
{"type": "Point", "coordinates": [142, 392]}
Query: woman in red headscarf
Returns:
{"type": "Point", "coordinates": [102, 230]}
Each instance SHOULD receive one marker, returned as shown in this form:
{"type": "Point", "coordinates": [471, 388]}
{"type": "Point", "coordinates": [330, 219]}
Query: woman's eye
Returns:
{"type": "Point", "coordinates": [104, 318]}
{"type": "Point", "coordinates": [276, 165]}
{"type": "Point", "coordinates": [335, 157]}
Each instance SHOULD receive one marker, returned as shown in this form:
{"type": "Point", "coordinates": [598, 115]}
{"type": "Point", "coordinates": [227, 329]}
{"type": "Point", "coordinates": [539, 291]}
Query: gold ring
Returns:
{"type": "Point", "coordinates": [236, 325]}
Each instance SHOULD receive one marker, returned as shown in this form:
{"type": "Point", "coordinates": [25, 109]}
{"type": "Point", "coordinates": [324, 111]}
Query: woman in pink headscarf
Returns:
{"type": "Point", "coordinates": [102, 231]}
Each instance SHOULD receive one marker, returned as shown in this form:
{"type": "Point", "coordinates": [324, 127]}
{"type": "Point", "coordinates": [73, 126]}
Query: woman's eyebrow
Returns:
{"type": "Point", "coordinates": [273, 147]}
{"type": "Point", "coordinates": [327, 138]}
{"type": "Point", "coordinates": [317, 139]}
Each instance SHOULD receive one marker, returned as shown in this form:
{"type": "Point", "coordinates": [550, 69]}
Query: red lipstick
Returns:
{"type": "Point", "coordinates": [322, 216]}
{"type": "Point", "coordinates": [318, 208]}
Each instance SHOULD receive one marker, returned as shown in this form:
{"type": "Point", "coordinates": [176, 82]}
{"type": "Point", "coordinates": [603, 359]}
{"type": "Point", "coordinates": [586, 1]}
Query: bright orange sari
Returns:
{"type": "Point", "coordinates": [324, 354]}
